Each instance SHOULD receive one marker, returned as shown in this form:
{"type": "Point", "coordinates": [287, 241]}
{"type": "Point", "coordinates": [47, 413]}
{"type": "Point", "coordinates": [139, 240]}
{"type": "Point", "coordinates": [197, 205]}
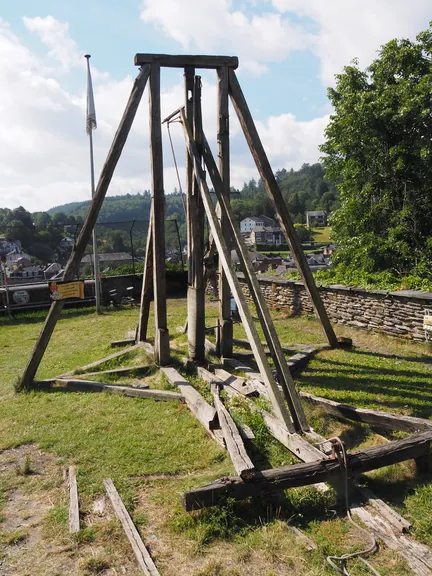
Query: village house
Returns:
{"type": "Point", "coordinates": [316, 218]}
{"type": "Point", "coordinates": [255, 222]}
{"type": "Point", "coordinates": [109, 260]}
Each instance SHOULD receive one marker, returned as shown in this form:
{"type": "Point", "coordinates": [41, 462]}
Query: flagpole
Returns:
{"type": "Point", "coordinates": [95, 255]}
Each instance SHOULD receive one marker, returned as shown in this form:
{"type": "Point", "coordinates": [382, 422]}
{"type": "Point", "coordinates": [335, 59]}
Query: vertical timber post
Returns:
{"type": "Point", "coordinates": [147, 284]}
{"type": "Point", "coordinates": [195, 224]}
{"type": "Point", "coordinates": [226, 326]}
{"type": "Point", "coordinates": [162, 349]}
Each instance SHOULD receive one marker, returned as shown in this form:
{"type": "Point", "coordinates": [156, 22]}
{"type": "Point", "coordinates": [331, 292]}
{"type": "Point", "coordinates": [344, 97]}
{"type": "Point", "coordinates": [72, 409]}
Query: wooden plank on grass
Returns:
{"type": "Point", "coordinates": [93, 386]}
{"type": "Point", "coordinates": [235, 382]}
{"type": "Point", "coordinates": [74, 520]}
{"type": "Point", "coordinates": [242, 463]}
{"type": "Point", "coordinates": [114, 356]}
{"type": "Point", "coordinates": [374, 417]}
{"type": "Point", "coordinates": [205, 413]}
{"type": "Point", "coordinates": [325, 470]}
{"type": "Point", "coordinates": [124, 342]}
{"type": "Point", "coordinates": [141, 553]}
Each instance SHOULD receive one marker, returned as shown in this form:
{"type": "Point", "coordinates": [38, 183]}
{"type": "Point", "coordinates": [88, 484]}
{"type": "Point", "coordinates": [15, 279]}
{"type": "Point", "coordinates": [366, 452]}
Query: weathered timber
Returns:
{"type": "Point", "coordinates": [249, 326]}
{"type": "Point", "coordinates": [398, 522]}
{"type": "Point", "coordinates": [205, 413]}
{"type": "Point", "coordinates": [74, 519]}
{"type": "Point", "coordinates": [115, 355]}
{"type": "Point", "coordinates": [235, 382]}
{"type": "Point", "coordinates": [143, 369]}
{"type": "Point", "coordinates": [184, 61]}
{"type": "Point", "coordinates": [243, 465]}
{"type": "Point", "coordinates": [124, 342]}
{"type": "Point", "coordinates": [142, 555]}
{"type": "Point", "coordinates": [245, 432]}
{"type": "Point", "coordinates": [162, 347]}
{"type": "Point", "coordinates": [210, 348]}
{"type": "Point", "coordinates": [208, 376]}
{"type": "Point", "coordinates": [147, 286]}
{"type": "Point", "coordinates": [374, 417]}
{"type": "Point", "coordinates": [273, 190]}
{"type": "Point", "coordinates": [195, 224]}
{"type": "Point", "coordinates": [277, 479]}
{"type": "Point", "coordinates": [72, 266]}
{"type": "Point", "coordinates": [417, 555]}
{"type": "Point", "coordinates": [284, 375]}
{"type": "Point", "coordinates": [303, 538]}
{"type": "Point", "coordinates": [242, 343]}
{"type": "Point", "coordinates": [94, 386]}
{"type": "Point", "coordinates": [223, 144]}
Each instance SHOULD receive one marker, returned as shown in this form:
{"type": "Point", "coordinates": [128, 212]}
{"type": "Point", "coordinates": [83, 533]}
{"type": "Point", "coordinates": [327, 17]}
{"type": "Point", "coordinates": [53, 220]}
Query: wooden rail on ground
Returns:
{"type": "Point", "coordinates": [277, 479]}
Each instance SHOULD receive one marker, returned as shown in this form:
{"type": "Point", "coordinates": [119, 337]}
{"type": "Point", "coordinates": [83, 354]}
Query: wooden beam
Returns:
{"type": "Point", "coordinates": [373, 417]}
{"type": "Point", "coordinates": [195, 223]}
{"type": "Point", "coordinates": [184, 61]}
{"type": "Point", "coordinates": [124, 342]}
{"type": "Point", "coordinates": [243, 465]}
{"type": "Point", "coordinates": [95, 386]}
{"type": "Point", "coordinates": [273, 190]}
{"type": "Point", "coordinates": [141, 553]}
{"type": "Point", "coordinates": [205, 413]}
{"type": "Point", "coordinates": [239, 384]}
{"type": "Point", "coordinates": [114, 356]}
{"type": "Point", "coordinates": [147, 286]}
{"type": "Point", "coordinates": [72, 266]}
{"type": "Point", "coordinates": [161, 336]}
{"type": "Point", "coordinates": [284, 375]}
{"type": "Point", "coordinates": [248, 323]}
{"type": "Point", "coordinates": [277, 479]}
{"type": "Point", "coordinates": [223, 143]}
{"type": "Point", "coordinates": [74, 519]}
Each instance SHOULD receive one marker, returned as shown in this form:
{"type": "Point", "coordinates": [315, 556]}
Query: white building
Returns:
{"type": "Point", "coordinates": [255, 222]}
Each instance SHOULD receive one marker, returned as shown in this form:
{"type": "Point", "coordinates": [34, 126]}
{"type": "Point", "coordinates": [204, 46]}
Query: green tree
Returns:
{"type": "Point", "coordinates": [379, 149]}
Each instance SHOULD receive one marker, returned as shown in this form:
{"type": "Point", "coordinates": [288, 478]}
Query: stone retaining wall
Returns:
{"type": "Point", "coordinates": [396, 313]}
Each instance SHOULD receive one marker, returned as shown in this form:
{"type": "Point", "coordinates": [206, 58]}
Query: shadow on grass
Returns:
{"type": "Point", "coordinates": [371, 385]}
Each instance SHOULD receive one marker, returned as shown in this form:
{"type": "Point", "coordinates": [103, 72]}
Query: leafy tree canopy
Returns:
{"type": "Point", "coordinates": [379, 150]}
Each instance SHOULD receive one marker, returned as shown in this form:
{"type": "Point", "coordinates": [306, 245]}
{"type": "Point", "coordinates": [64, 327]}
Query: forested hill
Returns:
{"type": "Point", "coordinates": [304, 189]}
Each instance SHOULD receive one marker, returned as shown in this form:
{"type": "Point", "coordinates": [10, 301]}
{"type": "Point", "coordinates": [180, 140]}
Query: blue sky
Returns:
{"type": "Point", "coordinates": [289, 51]}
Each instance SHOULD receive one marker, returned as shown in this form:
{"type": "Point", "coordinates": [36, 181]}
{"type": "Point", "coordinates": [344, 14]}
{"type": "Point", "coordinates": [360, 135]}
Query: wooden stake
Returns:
{"type": "Point", "coordinates": [195, 222]}
{"type": "Point", "coordinates": [285, 378]}
{"type": "Point", "coordinates": [226, 334]}
{"type": "Point", "coordinates": [74, 519]}
{"type": "Point", "coordinates": [72, 266]}
{"type": "Point", "coordinates": [161, 336]}
{"type": "Point", "coordinates": [147, 286]}
{"type": "Point", "coordinates": [275, 194]}
{"type": "Point", "coordinates": [144, 559]}
{"type": "Point", "coordinates": [248, 323]}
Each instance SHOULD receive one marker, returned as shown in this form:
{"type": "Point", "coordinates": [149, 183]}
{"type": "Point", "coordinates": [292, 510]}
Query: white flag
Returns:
{"type": "Point", "coordinates": [91, 112]}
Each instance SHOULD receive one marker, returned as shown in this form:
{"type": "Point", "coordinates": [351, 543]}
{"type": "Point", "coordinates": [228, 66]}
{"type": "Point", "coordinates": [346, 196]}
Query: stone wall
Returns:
{"type": "Point", "coordinates": [396, 313]}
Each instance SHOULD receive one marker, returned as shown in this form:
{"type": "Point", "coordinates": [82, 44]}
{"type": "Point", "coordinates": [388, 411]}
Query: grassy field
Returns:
{"type": "Point", "coordinates": [155, 450]}
{"type": "Point", "coordinates": [321, 234]}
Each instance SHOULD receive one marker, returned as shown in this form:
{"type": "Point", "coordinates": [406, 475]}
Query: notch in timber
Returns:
{"type": "Point", "coordinates": [183, 61]}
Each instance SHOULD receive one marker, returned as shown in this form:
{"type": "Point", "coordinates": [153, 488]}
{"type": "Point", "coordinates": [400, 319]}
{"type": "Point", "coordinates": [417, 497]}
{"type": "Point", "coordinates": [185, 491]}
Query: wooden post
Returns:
{"type": "Point", "coordinates": [146, 286]}
{"type": "Point", "coordinates": [266, 321]}
{"type": "Point", "coordinates": [83, 239]}
{"type": "Point", "coordinates": [195, 223]}
{"type": "Point", "coordinates": [275, 194]}
{"type": "Point", "coordinates": [226, 334]}
{"type": "Point", "coordinates": [161, 336]}
{"type": "Point", "coordinates": [248, 323]}
{"type": "Point", "coordinates": [74, 519]}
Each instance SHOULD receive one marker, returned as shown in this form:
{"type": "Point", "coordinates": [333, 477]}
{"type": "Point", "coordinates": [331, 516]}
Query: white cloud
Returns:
{"type": "Point", "coordinates": [209, 26]}
{"type": "Point", "coordinates": [356, 28]}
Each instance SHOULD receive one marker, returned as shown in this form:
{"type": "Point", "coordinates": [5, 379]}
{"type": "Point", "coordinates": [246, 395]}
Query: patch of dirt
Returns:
{"type": "Point", "coordinates": [34, 535]}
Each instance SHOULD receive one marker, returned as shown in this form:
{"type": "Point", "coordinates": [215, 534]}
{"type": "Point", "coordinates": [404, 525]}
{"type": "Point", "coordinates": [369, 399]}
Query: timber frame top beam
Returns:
{"type": "Point", "coordinates": [183, 60]}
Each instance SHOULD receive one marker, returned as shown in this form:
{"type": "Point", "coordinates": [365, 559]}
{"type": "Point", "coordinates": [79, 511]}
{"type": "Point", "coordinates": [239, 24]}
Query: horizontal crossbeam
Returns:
{"type": "Point", "coordinates": [183, 61]}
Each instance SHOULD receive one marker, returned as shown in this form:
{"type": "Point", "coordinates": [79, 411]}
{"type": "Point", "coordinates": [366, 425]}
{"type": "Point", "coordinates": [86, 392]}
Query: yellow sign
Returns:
{"type": "Point", "coordinates": [62, 291]}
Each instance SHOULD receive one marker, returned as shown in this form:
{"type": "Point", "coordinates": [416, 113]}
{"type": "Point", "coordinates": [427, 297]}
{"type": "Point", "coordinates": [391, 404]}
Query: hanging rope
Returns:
{"type": "Point", "coordinates": [176, 167]}
{"type": "Point", "coordinates": [342, 560]}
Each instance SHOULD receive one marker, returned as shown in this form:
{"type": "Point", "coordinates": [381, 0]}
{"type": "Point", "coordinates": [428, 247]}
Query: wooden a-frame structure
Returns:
{"type": "Point", "coordinates": [288, 423]}
{"type": "Point", "coordinates": [287, 406]}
